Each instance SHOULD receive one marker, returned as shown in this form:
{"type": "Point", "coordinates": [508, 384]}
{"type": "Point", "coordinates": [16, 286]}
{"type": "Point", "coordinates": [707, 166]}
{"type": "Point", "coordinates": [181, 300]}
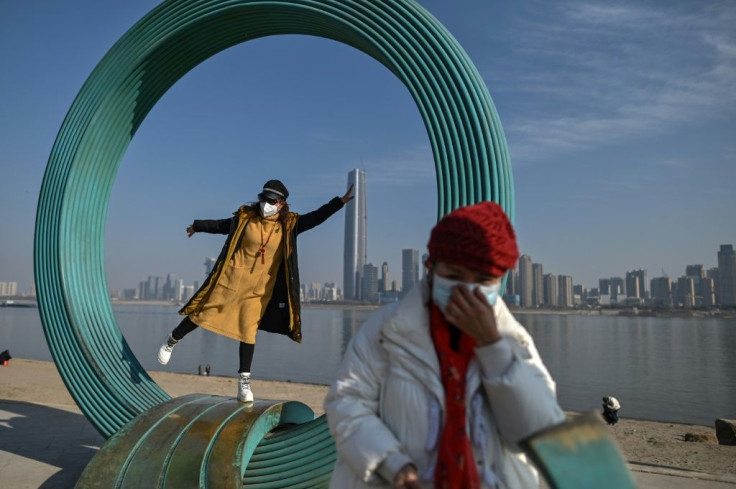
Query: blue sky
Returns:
{"type": "Point", "coordinates": [620, 119]}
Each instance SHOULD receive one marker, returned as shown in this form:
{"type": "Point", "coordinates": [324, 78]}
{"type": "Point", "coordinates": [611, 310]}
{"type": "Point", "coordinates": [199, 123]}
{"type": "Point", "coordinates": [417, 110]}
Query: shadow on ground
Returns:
{"type": "Point", "coordinates": [62, 441]}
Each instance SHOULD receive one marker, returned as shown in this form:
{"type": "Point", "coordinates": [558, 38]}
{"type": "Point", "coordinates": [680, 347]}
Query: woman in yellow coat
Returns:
{"type": "Point", "coordinates": [255, 281]}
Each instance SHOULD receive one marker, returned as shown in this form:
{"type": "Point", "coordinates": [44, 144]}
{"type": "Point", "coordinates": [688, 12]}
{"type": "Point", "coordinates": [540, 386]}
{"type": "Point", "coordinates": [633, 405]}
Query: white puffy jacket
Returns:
{"type": "Point", "coordinates": [387, 405]}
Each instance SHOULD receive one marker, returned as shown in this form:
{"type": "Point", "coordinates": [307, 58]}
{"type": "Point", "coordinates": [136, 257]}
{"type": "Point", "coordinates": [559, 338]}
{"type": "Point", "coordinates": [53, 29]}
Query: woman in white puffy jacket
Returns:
{"type": "Point", "coordinates": [437, 390]}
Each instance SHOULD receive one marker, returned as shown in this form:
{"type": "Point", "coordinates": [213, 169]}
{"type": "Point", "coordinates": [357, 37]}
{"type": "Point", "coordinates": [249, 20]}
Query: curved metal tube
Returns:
{"type": "Point", "coordinates": [467, 140]}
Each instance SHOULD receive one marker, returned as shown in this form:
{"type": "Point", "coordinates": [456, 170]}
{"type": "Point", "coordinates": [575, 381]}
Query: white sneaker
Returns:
{"type": "Point", "coordinates": [164, 353]}
{"type": "Point", "coordinates": [244, 392]}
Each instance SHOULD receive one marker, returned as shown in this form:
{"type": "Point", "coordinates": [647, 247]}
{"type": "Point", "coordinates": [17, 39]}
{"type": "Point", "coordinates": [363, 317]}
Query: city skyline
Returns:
{"type": "Point", "coordinates": [619, 121]}
{"type": "Point", "coordinates": [633, 283]}
{"type": "Point", "coordinates": [723, 251]}
{"type": "Point", "coordinates": [527, 285]}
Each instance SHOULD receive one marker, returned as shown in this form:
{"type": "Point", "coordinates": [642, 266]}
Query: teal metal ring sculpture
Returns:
{"type": "Point", "coordinates": [468, 144]}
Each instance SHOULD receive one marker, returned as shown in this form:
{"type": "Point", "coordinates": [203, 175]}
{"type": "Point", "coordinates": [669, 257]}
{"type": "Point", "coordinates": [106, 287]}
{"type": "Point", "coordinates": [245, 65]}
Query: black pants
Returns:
{"type": "Point", "coordinates": [245, 352]}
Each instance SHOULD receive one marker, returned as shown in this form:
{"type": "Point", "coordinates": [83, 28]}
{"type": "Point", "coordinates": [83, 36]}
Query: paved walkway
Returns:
{"type": "Point", "coordinates": [48, 447]}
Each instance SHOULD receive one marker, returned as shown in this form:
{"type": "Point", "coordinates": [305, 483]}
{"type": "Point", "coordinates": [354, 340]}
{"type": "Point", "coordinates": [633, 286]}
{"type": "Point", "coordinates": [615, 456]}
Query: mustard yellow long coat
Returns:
{"type": "Point", "coordinates": [220, 301]}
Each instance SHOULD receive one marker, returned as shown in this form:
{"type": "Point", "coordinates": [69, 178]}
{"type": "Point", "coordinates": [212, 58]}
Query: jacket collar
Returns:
{"type": "Point", "coordinates": [408, 328]}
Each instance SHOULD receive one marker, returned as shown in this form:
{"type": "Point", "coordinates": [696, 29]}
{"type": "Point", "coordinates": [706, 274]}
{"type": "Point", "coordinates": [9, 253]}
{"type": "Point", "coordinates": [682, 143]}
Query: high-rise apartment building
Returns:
{"type": "Point", "coordinates": [385, 285]}
{"type": "Point", "coordinates": [209, 264]}
{"type": "Point", "coordinates": [153, 289]}
{"type": "Point", "coordinates": [632, 285]}
{"type": "Point", "coordinates": [370, 283]}
{"type": "Point", "coordinates": [662, 291]}
{"type": "Point", "coordinates": [538, 278]}
{"type": "Point", "coordinates": [712, 273]}
{"type": "Point", "coordinates": [643, 277]}
{"type": "Point", "coordinates": [330, 292]}
{"type": "Point", "coordinates": [409, 269]}
{"type": "Point", "coordinates": [8, 289]}
{"type": "Point", "coordinates": [637, 284]}
{"type": "Point", "coordinates": [708, 291]}
{"type": "Point", "coordinates": [526, 281]}
{"type": "Point", "coordinates": [727, 276]}
{"type": "Point", "coordinates": [178, 289]}
{"type": "Point", "coordinates": [579, 294]}
{"type": "Point", "coordinates": [618, 288]}
{"type": "Point", "coordinates": [512, 282]}
{"type": "Point", "coordinates": [685, 292]}
{"type": "Point", "coordinates": [356, 237]}
{"type": "Point", "coordinates": [697, 273]}
{"type": "Point", "coordinates": [187, 292]}
{"type": "Point", "coordinates": [550, 290]}
{"type": "Point", "coordinates": [564, 285]}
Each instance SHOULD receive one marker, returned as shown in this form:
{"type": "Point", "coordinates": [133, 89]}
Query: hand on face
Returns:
{"type": "Point", "coordinates": [269, 207]}
{"type": "Point", "coordinates": [468, 309]}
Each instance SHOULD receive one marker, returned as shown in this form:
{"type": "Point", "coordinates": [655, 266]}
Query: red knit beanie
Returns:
{"type": "Point", "coordinates": [479, 237]}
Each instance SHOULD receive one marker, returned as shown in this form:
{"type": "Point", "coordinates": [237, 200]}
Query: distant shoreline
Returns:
{"type": "Point", "coordinates": [612, 312]}
{"type": "Point", "coordinates": [305, 305]}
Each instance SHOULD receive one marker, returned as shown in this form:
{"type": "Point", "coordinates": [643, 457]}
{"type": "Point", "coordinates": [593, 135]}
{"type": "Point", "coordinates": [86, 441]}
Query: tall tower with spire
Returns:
{"type": "Point", "coordinates": [356, 237]}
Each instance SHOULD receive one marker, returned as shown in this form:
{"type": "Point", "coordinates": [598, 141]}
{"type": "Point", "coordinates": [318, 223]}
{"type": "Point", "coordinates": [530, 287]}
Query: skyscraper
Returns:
{"type": "Point", "coordinates": [707, 288]}
{"type": "Point", "coordinates": [697, 273]}
{"type": "Point", "coordinates": [632, 285]}
{"type": "Point", "coordinates": [409, 269]}
{"type": "Point", "coordinates": [526, 281]}
{"type": "Point", "coordinates": [209, 264]}
{"type": "Point", "coordinates": [385, 286]}
{"type": "Point", "coordinates": [685, 292]}
{"type": "Point", "coordinates": [356, 237]}
{"type": "Point", "coordinates": [512, 281]}
{"type": "Point", "coordinates": [727, 276]}
{"type": "Point", "coordinates": [618, 288]}
{"type": "Point", "coordinates": [564, 286]}
{"type": "Point", "coordinates": [712, 273]}
{"type": "Point", "coordinates": [643, 277]}
{"type": "Point", "coordinates": [538, 279]}
{"type": "Point", "coordinates": [662, 291]}
{"type": "Point", "coordinates": [370, 283]}
{"type": "Point", "coordinates": [550, 290]}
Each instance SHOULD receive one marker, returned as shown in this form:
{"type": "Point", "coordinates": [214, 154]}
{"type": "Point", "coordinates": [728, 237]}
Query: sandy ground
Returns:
{"type": "Point", "coordinates": [643, 443]}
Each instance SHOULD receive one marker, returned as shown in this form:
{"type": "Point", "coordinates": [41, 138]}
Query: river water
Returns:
{"type": "Point", "coordinates": [664, 369]}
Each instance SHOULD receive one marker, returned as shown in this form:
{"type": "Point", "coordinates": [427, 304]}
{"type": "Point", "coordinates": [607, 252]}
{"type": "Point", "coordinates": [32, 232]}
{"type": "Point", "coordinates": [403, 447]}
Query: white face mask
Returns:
{"type": "Point", "coordinates": [268, 210]}
{"type": "Point", "coordinates": [442, 290]}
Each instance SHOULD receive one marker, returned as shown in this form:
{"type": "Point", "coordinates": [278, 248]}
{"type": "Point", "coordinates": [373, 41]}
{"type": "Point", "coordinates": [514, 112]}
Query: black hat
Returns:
{"type": "Point", "coordinates": [274, 189]}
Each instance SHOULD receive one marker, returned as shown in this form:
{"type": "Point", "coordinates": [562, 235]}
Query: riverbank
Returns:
{"type": "Point", "coordinates": [645, 444]}
{"type": "Point", "coordinates": [305, 305]}
{"type": "Point", "coordinates": [627, 311]}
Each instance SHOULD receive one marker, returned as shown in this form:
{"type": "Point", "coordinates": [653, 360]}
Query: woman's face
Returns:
{"type": "Point", "coordinates": [461, 274]}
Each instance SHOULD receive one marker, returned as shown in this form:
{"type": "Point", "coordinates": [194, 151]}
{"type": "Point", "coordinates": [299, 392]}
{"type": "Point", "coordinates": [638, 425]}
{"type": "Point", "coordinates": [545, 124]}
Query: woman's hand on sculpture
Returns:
{"type": "Point", "coordinates": [471, 313]}
{"type": "Point", "coordinates": [190, 231]}
{"type": "Point", "coordinates": [407, 478]}
{"type": "Point", "coordinates": [348, 195]}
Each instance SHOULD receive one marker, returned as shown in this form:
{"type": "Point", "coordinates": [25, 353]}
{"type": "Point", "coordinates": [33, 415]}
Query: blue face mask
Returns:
{"type": "Point", "coordinates": [442, 290]}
